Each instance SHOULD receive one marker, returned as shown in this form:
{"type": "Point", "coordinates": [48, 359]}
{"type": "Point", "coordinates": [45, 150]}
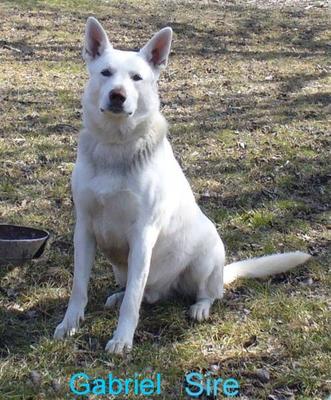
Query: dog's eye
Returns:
{"type": "Point", "coordinates": [137, 77]}
{"type": "Point", "coordinates": [106, 72]}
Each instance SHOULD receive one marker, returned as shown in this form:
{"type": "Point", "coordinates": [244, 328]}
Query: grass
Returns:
{"type": "Point", "coordinates": [247, 96]}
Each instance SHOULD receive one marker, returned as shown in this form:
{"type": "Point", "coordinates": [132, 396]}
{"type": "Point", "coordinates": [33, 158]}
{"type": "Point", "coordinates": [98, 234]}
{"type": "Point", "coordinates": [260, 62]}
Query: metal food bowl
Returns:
{"type": "Point", "coordinates": [21, 243]}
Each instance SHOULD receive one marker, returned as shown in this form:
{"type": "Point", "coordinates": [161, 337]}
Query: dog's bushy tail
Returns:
{"type": "Point", "coordinates": [263, 266]}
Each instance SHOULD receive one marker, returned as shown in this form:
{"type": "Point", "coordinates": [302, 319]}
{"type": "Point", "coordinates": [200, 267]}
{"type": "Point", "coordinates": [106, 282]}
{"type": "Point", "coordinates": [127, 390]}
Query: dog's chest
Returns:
{"type": "Point", "coordinates": [113, 209]}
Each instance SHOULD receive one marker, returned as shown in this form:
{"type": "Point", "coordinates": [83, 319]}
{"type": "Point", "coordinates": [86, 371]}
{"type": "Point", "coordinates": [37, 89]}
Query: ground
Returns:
{"type": "Point", "coordinates": [247, 97]}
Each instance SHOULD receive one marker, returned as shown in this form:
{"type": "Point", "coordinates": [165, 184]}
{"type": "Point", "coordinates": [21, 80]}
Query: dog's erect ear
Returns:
{"type": "Point", "coordinates": [96, 40]}
{"type": "Point", "coordinates": [157, 50]}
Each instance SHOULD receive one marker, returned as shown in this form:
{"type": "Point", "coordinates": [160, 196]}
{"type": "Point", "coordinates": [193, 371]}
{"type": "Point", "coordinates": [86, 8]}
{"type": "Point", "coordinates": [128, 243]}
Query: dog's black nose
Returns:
{"type": "Point", "coordinates": [117, 97]}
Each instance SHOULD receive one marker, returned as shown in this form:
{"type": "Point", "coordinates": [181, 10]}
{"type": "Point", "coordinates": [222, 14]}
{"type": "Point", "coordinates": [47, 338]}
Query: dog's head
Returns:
{"type": "Point", "coordinates": [123, 83]}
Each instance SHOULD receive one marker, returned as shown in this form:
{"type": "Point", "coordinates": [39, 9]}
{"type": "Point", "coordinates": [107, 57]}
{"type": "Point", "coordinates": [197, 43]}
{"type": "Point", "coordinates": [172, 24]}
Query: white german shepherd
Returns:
{"type": "Point", "coordinates": [133, 200]}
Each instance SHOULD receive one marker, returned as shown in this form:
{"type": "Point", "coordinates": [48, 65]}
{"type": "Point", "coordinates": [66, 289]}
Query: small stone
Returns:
{"type": "Point", "coordinates": [35, 378]}
{"type": "Point", "coordinates": [109, 364]}
{"type": "Point", "coordinates": [12, 293]}
{"type": "Point", "coordinates": [263, 375]}
{"type": "Point", "coordinates": [214, 368]}
{"type": "Point", "coordinates": [31, 314]}
{"type": "Point", "coordinates": [56, 385]}
{"type": "Point", "coordinates": [308, 282]}
{"type": "Point", "coordinates": [250, 342]}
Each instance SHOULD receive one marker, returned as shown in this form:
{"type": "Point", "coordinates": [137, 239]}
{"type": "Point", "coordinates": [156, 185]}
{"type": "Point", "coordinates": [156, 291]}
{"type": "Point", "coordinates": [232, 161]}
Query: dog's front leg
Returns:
{"type": "Point", "coordinates": [141, 247]}
{"type": "Point", "coordinates": [85, 247]}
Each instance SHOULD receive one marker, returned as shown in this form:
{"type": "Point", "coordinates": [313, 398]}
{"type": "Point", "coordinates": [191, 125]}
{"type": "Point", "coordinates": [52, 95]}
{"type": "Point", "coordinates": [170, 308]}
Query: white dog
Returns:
{"type": "Point", "coordinates": [133, 200]}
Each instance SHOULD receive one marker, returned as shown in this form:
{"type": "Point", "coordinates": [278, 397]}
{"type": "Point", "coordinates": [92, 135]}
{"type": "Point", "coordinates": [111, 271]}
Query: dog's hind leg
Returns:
{"type": "Point", "coordinates": [204, 279]}
{"type": "Point", "coordinates": [115, 299]}
{"type": "Point", "coordinates": [200, 310]}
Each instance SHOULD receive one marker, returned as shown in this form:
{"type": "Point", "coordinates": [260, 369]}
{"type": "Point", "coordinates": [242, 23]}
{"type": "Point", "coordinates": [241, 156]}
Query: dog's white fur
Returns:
{"type": "Point", "coordinates": [133, 200]}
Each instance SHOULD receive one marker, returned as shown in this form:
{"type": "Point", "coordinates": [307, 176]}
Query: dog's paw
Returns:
{"type": "Point", "coordinates": [121, 347]}
{"type": "Point", "coordinates": [200, 310]}
{"type": "Point", "coordinates": [69, 325]}
{"type": "Point", "coordinates": [115, 300]}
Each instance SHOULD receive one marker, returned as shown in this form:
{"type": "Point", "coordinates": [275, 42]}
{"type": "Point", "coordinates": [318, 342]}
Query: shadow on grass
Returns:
{"type": "Point", "coordinates": [248, 112]}
{"type": "Point", "coordinates": [20, 330]}
{"type": "Point", "coordinates": [287, 27]}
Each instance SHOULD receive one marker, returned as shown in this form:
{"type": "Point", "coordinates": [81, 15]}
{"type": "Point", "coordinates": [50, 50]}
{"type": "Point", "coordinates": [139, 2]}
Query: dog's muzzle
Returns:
{"type": "Point", "coordinates": [117, 99]}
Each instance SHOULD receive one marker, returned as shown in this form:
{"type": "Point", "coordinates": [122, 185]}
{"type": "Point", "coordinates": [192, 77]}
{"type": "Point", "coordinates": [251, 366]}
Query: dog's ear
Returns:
{"type": "Point", "coordinates": [96, 40]}
{"type": "Point", "coordinates": [157, 50]}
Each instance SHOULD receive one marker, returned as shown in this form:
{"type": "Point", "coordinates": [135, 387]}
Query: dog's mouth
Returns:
{"type": "Point", "coordinates": [116, 110]}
